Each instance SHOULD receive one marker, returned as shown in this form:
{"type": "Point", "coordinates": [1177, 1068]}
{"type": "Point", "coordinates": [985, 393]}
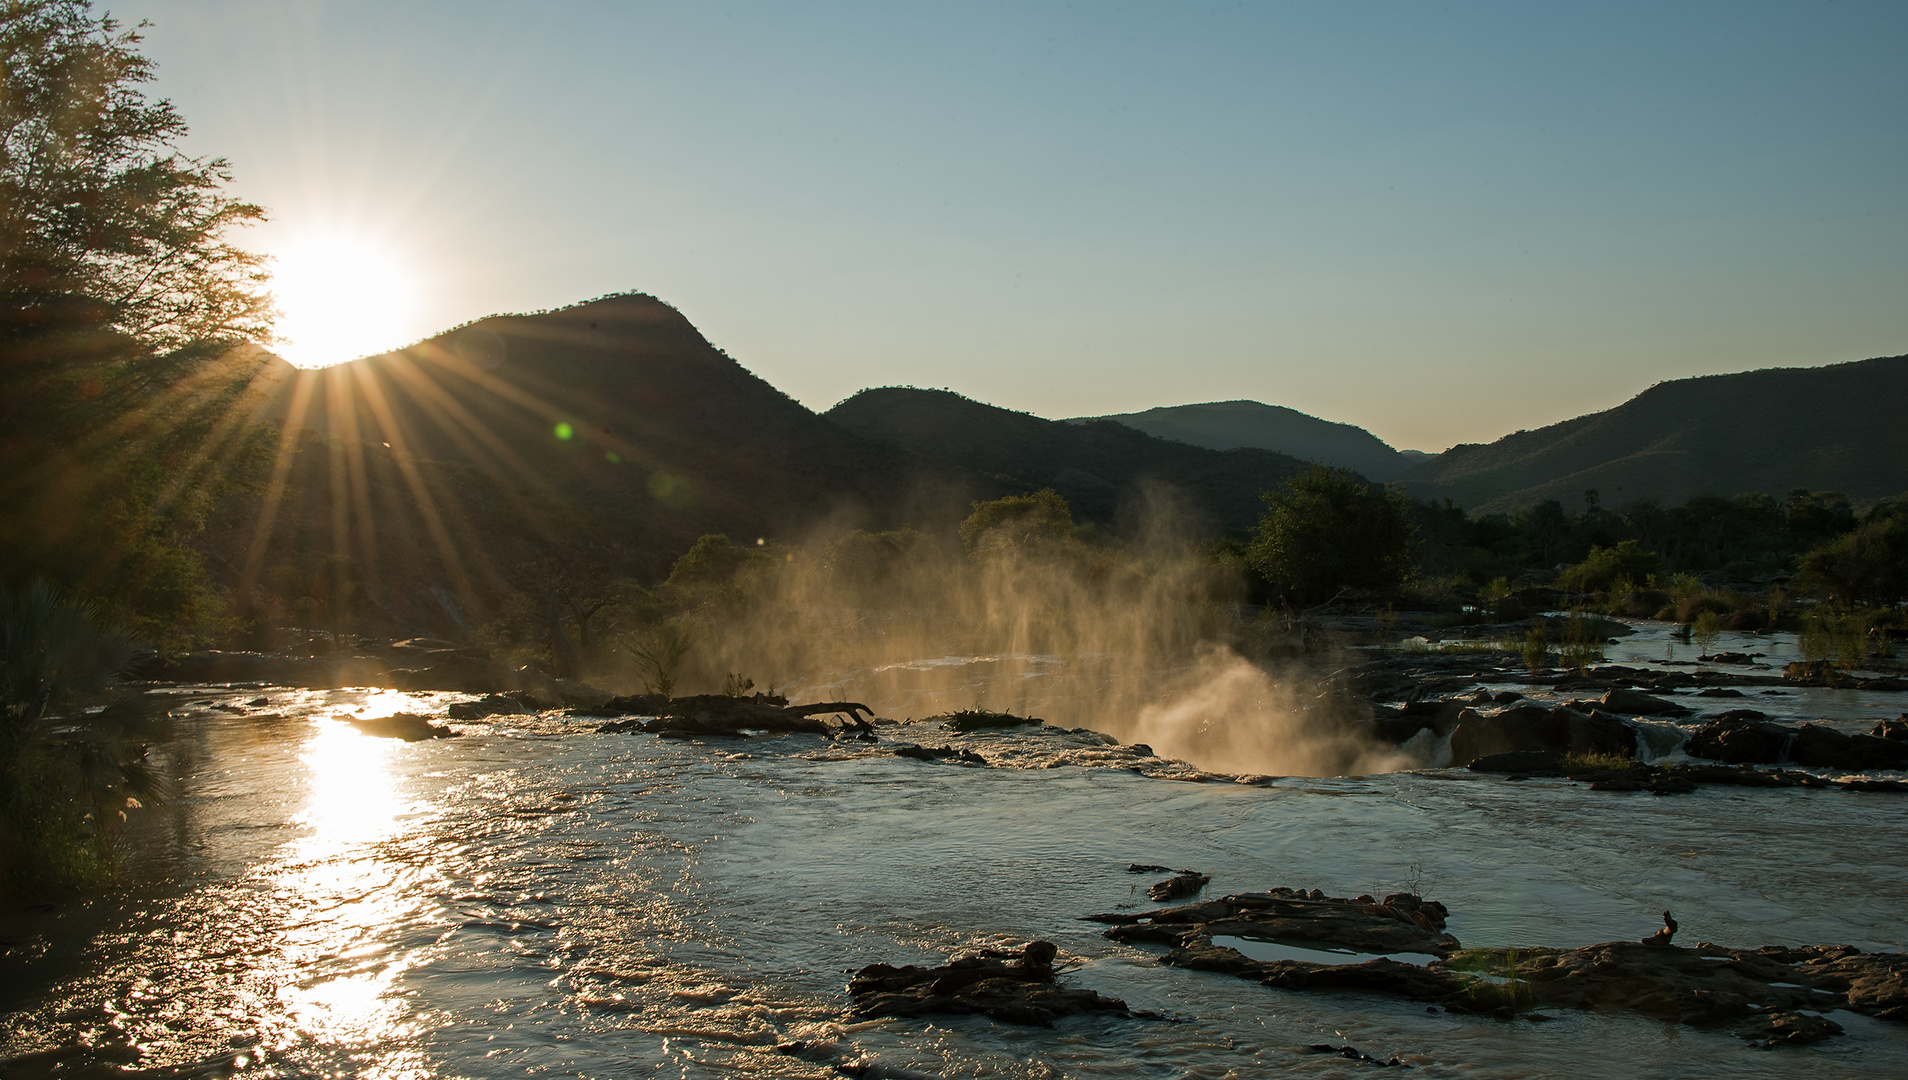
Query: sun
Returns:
{"type": "Point", "coordinates": [340, 297]}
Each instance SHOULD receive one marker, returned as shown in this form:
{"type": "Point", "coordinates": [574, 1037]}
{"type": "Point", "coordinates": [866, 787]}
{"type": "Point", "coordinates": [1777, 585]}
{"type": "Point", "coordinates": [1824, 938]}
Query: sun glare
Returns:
{"type": "Point", "coordinates": [340, 298]}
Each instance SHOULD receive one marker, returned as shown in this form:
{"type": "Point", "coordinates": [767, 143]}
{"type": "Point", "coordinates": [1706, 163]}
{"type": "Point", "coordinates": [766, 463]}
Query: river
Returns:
{"type": "Point", "coordinates": [536, 899]}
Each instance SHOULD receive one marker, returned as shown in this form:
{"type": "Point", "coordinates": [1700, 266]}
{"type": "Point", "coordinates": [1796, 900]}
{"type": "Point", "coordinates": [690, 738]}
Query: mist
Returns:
{"type": "Point", "coordinates": [1145, 637]}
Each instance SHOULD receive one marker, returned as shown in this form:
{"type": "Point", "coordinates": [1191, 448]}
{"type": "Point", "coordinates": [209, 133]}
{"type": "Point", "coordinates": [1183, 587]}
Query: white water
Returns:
{"type": "Point", "coordinates": [536, 899]}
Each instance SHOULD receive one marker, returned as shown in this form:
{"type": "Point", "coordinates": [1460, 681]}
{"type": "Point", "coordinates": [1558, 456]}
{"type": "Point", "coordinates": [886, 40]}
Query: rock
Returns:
{"type": "Point", "coordinates": [1885, 682]}
{"type": "Point", "coordinates": [1810, 673]}
{"type": "Point", "coordinates": [407, 726]}
{"type": "Point", "coordinates": [1152, 868]}
{"type": "Point", "coordinates": [1530, 727]}
{"type": "Point", "coordinates": [1634, 703]}
{"type": "Point", "coordinates": [1872, 983]}
{"type": "Point", "coordinates": [1892, 730]}
{"type": "Point", "coordinates": [981, 720]}
{"type": "Point", "coordinates": [1769, 1030]}
{"type": "Point", "coordinates": [1741, 715]}
{"type": "Point", "coordinates": [488, 705]}
{"type": "Point", "coordinates": [1015, 989]}
{"type": "Point", "coordinates": [1773, 989]}
{"type": "Point", "coordinates": [722, 715]}
{"type": "Point", "coordinates": [1352, 1053]}
{"type": "Point", "coordinates": [935, 753]}
{"type": "Point", "coordinates": [1740, 742]}
{"type": "Point", "coordinates": [1718, 691]}
{"type": "Point", "coordinates": [1738, 738]}
{"type": "Point", "coordinates": [1400, 923]}
{"type": "Point", "coordinates": [1178, 886]}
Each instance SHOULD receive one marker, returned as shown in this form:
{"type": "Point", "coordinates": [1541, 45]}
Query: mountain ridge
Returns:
{"type": "Point", "coordinates": [1226, 425]}
{"type": "Point", "coordinates": [1770, 431]}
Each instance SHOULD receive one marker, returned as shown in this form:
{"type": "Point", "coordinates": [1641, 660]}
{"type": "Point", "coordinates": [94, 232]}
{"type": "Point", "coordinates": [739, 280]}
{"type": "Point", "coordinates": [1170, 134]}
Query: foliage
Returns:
{"type": "Point", "coordinates": [1582, 642]}
{"type": "Point", "coordinates": [1705, 630]}
{"type": "Point", "coordinates": [1327, 531]}
{"type": "Point", "coordinates": [1604, 567]}
{"type": "Point", "coordinates": [1536, 646]}
{"type": "Point", "coordinates": [122, 303]}
{"type": "Point", "coordinates": [1866, 566]}
{"type": "Point", "coordinates": [658, 651]}
{"type": "Point", "coordinates": [97, 203]}
{"type": "Point", "coordinates": [65, 773]}
{"type": "Point", "coordinates": [1040, 523]}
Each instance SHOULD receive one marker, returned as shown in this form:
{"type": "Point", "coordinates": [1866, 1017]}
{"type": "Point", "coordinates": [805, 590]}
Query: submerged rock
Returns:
{"type": "Point", "coordinates": [1772, 1029]}
{"type": "Point", "coordinates": [936, 753]}
{"type": "Point", "coordinates": [1017, 989]}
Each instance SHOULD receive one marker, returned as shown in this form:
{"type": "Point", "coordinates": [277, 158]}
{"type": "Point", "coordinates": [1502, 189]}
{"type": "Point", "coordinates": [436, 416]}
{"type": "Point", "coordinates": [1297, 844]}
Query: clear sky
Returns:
{"type": "Point", "coordinates": [1443, 222]}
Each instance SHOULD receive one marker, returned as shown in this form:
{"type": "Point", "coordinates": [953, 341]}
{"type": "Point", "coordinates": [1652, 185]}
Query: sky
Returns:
{"type": "Point", "coordinates": [1441, 222]}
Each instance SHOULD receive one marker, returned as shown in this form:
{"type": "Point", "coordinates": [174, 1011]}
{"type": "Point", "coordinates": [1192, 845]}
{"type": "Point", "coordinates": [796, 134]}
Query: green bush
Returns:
{"type": "Point", "coordinates": [1327, 531]}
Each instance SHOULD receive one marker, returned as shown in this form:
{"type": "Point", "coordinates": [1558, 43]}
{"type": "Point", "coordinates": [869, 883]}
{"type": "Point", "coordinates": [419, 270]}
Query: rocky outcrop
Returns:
{"type": "Point", "coordinates": [1398, 923]}
{"type": "Point", "coordinates": [1178, 887]}
{"type": "Point", "coordinates": [980, 720]}
{"type": "Point", "coordinates": [725, 716]}
{"type": "Point", "coordinates": [1736, 738]}
{"type": "Point", "coordinates": [1015, 988]}
{"type": "Point", "coordinates": [1529, 727]}
{"type": "Point", "coordinates": [1634, 703]}
{"type": "Point", "coordinates": [1769, 993]}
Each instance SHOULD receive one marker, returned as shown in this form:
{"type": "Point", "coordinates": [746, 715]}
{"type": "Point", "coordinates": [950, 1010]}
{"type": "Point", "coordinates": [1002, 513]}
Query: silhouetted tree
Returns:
{"type": "Point", "coordinates": [1328, 530]}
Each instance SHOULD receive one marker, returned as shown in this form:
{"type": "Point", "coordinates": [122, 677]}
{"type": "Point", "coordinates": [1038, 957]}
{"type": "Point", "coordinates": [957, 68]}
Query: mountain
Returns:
{"type": "Point", "coordinates": [1838, 428]}
{"type": "Point", "coordinates": [1223, 425]}
{"type": "Point", "coordinates": [1098, 465]}
{"type": "Point", "coordinates": [608, 435]}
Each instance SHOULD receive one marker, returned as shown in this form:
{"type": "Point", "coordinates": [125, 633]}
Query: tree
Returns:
{"type": "Point", "coordinates": [100, 213]}
{"type": "Point", "coordinates": [1027, 523]}
{"type": "Point", "coordinates": [1327, 531]}
{"type": "Point", "coordinates": [122, 300]}
{"type": "Point", "coordinates": [1869, 565]}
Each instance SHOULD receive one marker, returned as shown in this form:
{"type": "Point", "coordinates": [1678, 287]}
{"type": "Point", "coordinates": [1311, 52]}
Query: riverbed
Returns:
{"type": "Point", "coordinates": [534, 898]}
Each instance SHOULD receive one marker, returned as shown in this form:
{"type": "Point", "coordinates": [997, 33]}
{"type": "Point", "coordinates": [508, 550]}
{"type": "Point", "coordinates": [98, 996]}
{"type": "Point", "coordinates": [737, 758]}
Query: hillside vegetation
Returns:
{"type": "Point", "coordinates": [1099, 466]}
{"type": "Point", "coordinates": [1768, 432]}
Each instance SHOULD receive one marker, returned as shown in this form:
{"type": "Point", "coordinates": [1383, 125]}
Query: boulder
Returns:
{"type": "Point", "coordinates": [1740, 742]}
{"type": "Point", "coordinates": [1017, 989]}
{"type": "Point", "coordinates": [1530, 727]}
{"type": "Point", "coordinates": [1635, 703]}
{"type": "Point", "coordinates": [1178, 887]}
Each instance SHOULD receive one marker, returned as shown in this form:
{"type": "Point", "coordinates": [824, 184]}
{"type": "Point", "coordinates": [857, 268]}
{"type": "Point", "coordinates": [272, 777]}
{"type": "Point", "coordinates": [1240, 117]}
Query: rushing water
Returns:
{"type": "Point", "coordinates": [538, 899]}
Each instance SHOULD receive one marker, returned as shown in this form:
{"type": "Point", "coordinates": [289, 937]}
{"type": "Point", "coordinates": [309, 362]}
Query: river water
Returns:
{"type": "Point", "coordinates": [535, 899]}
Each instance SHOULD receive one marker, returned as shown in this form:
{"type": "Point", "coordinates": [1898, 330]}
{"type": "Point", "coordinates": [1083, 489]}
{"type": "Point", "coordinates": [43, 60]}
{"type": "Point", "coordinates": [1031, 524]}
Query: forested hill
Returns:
{"type": "Point", "coordinates": [1098, 465]}
{"type": "Point", "coordinates": [1830, 428]}
{"type": "Point", "coordinates": [606, 433]}
{"type": "Point", "coordinates": [1223, 425]}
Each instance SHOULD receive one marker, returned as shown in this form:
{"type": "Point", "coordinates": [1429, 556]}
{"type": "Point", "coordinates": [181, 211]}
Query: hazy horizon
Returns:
{"type": "Point", "coordinates": [1440, 227]}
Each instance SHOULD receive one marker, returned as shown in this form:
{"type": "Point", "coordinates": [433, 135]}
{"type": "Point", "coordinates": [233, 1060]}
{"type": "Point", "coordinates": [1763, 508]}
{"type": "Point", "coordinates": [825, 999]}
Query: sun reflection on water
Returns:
{"type": "Point", "coordinates": [350, 893]}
